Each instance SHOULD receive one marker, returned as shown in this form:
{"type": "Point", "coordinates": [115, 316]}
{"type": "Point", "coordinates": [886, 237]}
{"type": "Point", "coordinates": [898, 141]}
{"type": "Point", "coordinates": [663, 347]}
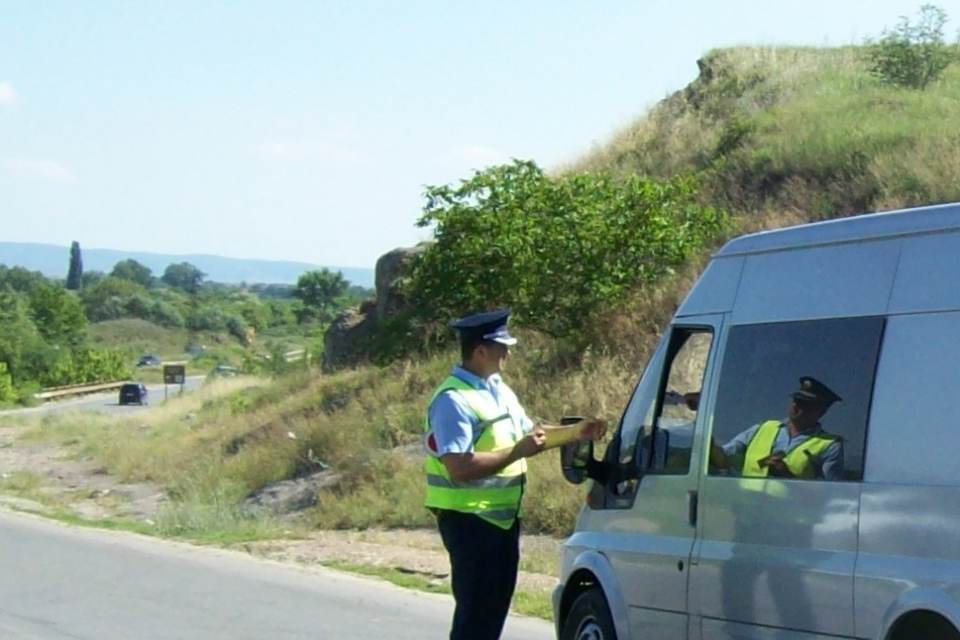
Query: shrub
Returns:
{"type": "Point", "coordinates": [912, 55]}
{"type": "Point", "coordinates": [556, 249]}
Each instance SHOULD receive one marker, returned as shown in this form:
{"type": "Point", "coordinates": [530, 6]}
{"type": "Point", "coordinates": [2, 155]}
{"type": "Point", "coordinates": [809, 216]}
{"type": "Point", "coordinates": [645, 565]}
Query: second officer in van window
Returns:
{"type": "Point", "coordinates": [795, 448]}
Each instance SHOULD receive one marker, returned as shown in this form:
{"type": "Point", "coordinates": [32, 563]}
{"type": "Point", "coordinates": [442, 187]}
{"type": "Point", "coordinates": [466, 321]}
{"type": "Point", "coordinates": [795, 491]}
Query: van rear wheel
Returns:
{"type": "Point", "coordinates": [589, 618]}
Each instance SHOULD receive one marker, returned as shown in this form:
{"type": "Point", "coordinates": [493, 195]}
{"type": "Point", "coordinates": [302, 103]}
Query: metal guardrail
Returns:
{"type": "Point", "coordinates": [76, 389]}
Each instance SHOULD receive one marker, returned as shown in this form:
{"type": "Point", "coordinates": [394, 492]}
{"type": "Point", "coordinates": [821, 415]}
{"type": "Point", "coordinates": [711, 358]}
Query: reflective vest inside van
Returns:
{"type": "Point", "coordinates": [495, 498]}
{"type": "Point", "coordinates": [798, 459]}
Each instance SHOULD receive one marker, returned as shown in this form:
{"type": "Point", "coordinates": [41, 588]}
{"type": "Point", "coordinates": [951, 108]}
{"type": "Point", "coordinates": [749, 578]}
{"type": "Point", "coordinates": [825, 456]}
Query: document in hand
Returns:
{"type": "Point", "coordinates": [562, 435]}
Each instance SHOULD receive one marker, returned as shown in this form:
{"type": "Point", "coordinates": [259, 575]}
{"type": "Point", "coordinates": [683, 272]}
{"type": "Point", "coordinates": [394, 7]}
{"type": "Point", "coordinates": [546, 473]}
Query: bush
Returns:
{"type": "Point", "coordinates": [7, 392]}
{"type": "Point", "coordinates": [912, 55]}
{"type": "Point", "coordinates": [556, 249]}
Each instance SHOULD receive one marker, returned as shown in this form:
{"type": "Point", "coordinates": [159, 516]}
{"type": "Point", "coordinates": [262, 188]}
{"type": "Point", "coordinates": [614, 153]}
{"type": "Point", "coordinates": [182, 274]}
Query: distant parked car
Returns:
{"type": "Point", "coordinates": [149, 361]}
{"type": "Point", "coordinates": [133, 393]}
{"type": "Point", "coordinates": [196, 350]}
{"type": "Point", "coordinates": [224, 371]}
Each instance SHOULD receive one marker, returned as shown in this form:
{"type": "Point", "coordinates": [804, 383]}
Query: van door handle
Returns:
{"type": "Point", "coordinates": [692, 507]}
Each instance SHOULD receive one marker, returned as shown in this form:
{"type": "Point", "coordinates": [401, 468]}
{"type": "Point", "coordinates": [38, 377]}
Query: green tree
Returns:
{"type": "Point", "coordinates": [91, 278]}
{"type": "Point", "coordinates": [320, 291]}
{"type": "Point", "coordinates": [912, 55]}
{"type": "Point", "coordinates": [22, 348]}
{"type": "Point", "coordinates": [58, 315]}
{"type": "Point", "coordinates": [133, 271]}
{"type": "Point", "coordinates": [556, 249]}
{"type": "Point", "coordinates": [106, 299]}
{"type": "Point", "coordinates": [184, 276]}
{"type": "Point", "coordinates": [75, 272]}
{"type": "Point", "coordinates": [7, 392]}
{"type": "Point", "coordinates": [20, 279]}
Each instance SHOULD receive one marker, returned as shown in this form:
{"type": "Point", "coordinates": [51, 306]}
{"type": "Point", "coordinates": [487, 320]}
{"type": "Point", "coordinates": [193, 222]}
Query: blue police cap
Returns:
{"type": "Point", "coordinates": [812, 390]}
{"type": "Point", "coordinates": [491, 325]}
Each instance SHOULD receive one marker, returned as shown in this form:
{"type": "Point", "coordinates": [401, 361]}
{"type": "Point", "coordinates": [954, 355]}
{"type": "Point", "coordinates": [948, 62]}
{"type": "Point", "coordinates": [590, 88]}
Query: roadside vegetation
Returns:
{"type": "Point", "coordinates": [94, 327]}
{"type": "Point", "coordinates": [594, 256]}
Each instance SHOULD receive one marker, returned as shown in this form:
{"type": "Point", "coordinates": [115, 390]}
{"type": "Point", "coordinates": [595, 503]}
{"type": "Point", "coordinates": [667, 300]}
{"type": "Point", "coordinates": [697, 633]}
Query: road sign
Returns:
{"type": "Point", "coordinates": [174, 373]}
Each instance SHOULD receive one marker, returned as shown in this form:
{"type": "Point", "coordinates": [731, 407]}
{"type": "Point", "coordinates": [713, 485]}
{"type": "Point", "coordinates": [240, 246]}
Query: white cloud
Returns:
{"type": "Point", "coordinates": [316, 150]}
{"type": "Point", "coordinates": [476, 156]}
{"type": "Point", "coordinates": [7, 94]}
{"type": "Point", "coordinates": [47, 169]}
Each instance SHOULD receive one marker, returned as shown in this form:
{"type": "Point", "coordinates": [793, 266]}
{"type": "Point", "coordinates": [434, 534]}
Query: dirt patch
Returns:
{"type": "Point", "coordinates": [407, 551]}
{"type": "Point", "coordinates": [42, 477]}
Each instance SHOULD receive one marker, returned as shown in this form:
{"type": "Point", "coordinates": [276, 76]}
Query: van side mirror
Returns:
{"type": "Point", "coordinates": [575, 458]}
{"type": "Point", "coordinates": [577, 461]}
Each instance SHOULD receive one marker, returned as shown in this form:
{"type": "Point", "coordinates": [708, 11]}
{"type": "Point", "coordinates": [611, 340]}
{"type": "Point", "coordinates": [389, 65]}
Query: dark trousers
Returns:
{"type": "Point", "coordinates": [483, 573]}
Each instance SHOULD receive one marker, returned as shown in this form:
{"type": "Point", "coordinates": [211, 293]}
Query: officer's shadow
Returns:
{"type": "Point", "coordinates": [765, 580]}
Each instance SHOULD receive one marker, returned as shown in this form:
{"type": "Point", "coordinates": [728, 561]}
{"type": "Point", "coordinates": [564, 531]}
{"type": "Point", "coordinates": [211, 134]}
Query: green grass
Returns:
{"type": "Point", "coordinates": [525, 602]}
{"type": "Point", "coordinates": [806, 129]}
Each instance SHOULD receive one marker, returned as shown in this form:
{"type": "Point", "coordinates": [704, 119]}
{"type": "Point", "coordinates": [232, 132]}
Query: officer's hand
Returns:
{"type": "Point", "coordinates": [593, 429]}
{"type": "Point", "coordinates": [778, 468]}
{"type": "Point", "coordinates": [531, 444]}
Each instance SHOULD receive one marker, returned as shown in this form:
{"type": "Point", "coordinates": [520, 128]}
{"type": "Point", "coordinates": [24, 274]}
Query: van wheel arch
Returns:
{"type": "Point", "coordinates": [585, 614]}
{"type": "Point", "coordinates": [923, 624]}
{"type": "Point", "coordinates": [578, 583]}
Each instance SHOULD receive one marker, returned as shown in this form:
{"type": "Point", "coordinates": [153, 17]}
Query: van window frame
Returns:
{"type": "Point", "coordinates": [625, 476]}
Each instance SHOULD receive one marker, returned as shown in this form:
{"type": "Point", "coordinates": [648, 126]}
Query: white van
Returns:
{"type": "Point", "coordinates": [670, 546]}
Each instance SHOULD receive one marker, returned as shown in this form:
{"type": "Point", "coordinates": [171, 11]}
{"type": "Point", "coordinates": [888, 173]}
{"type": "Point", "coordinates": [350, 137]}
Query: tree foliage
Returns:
{"type": "Point", "coordinates": [320, 291]}
{"type": "Point", "coordinates": [19, 279]}
{"type": "Point", "coordinates": [22, 347]}
{"type": "Point", "coordinates": [184, 276]}
{"type": "Point", "coordinates": [912, 55]}
{"type": "Point", "coordinates": [75, 271]}
{"type": "Point", "coordinates": [58, 315]}
{"type": "Point", "coordinates": [7, 392]}
{"type": "Point", "coordinates": [84, 365]}
{"type": "Point", "coordinates": [133, 271]}
{"type": "Point", "coordinates": [555, 248]}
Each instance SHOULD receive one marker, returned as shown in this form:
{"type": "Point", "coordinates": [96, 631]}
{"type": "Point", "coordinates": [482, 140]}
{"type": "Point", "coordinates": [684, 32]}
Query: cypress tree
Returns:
{"type": "Point", "coordinates": [75, 273]}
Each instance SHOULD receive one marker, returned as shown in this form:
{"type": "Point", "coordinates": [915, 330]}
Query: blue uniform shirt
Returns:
{"type": "Point", "coordinates": [829, 464]}
{"type": "Point", "coordinates": [455, 424]}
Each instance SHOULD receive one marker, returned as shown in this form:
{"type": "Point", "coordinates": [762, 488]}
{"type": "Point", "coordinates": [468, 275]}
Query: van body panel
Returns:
{"type": "Point", "coordinates": [926, 276]}
{"type": "Point", "coordinates": [921, 220]}
{"type": "Point", "coordinates": [912, 599]}
{"type": "Point", "coordinates": [777, 553]}
{"type": "Point", "coordinates": [648, 548]}
{"type": "Point", "coordinates": [715, 290]}
{"type": "Point", "coordinates": [821, 282]}
{"type": "Point", "coordinates": [909, 547]}
{"type": "Point", "coordinates": [916, 390]}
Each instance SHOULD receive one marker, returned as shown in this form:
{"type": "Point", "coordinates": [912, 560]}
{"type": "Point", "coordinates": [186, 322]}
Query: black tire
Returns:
{"type": "Point", "coordinates": [589, 618]}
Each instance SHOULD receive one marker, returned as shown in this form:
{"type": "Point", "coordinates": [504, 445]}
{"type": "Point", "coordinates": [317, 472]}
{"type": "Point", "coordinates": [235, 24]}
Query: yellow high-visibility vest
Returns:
{"type": "Point", "coordinates": [495, 498]}
{"type": "Point", "coordinates": [798, 459]}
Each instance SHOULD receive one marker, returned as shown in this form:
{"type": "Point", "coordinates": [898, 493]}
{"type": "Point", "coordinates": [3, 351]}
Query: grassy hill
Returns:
{"type": "Point", "coordinates": [777, 135]}
{"type": "Point", "coordinates": [799, 134]}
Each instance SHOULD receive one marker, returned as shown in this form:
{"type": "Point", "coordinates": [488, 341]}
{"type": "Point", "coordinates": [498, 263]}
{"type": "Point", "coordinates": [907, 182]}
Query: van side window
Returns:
{"type": "Point", "coordinates": [656, 431]}
{"type": "Point", "coordinates": [794, 397]}
{"type": "Point", "coordinates": [680, 402]}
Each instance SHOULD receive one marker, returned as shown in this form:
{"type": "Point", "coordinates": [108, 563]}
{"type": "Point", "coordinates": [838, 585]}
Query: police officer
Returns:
{"type": "Point", "coordinates": [795, 448]}
{"type": "Point", "coordinates": [477, 439]}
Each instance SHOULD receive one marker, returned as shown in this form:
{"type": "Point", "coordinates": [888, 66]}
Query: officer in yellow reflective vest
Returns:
{"type": "Point", "coordinates": [477, 438]}
{"type": "Point", "coordinates": [795, 448]}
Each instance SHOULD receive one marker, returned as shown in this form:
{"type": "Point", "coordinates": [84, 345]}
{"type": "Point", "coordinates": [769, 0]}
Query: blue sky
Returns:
{"type": "Point", "coordinates": [307, 130]}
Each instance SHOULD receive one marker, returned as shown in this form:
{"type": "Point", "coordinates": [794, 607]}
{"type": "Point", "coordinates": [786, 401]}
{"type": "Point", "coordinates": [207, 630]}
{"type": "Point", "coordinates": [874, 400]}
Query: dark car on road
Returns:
{"type": "Point", "coordinates": [133, 393]}
{"type": "Point", "coordinates": [149, 361]}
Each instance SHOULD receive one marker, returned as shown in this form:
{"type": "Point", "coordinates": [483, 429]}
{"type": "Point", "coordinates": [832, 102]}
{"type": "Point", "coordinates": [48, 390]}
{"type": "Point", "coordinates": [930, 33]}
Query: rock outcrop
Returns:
{"type": "Point", "coordinates": [344, 341]}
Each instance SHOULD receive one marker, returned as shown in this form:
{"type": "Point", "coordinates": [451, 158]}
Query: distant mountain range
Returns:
{"type": "Point", "coordinates": [52, 261]}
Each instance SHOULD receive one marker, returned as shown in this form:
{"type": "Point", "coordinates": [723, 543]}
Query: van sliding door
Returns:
{"type": "Point", "coordinates": [777, 550]}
